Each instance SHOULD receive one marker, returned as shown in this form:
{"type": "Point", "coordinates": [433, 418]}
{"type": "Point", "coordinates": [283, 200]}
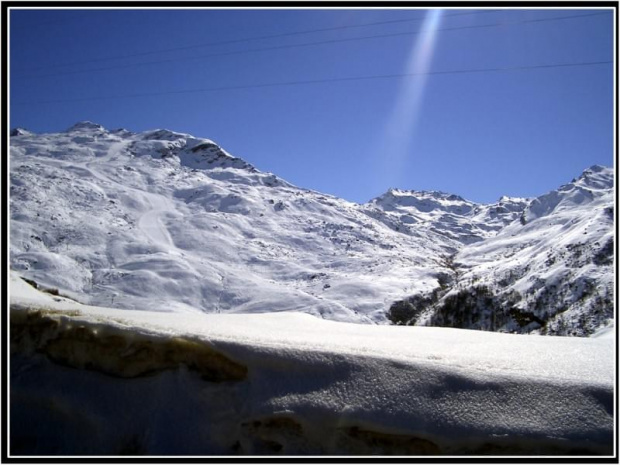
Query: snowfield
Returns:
{"type": "Point", "coordinates": [103, 381]}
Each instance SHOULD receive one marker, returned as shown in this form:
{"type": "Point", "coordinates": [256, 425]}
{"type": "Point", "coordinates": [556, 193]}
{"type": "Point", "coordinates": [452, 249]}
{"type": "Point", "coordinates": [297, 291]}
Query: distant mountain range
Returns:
{"type": "Point", "coordinates": [169, 222]}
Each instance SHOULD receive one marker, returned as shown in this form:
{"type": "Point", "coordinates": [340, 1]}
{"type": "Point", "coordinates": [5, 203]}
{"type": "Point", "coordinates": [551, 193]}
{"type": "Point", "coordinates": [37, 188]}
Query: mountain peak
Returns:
{"type": "Point", "coordinates": [86, 125]}
{"type": "Point", "coordinates": [597, 169]}
{"type": "Point", "coordinates": [20, 132]}
{"type": "Point", "coordinates": [165, 134]}
{"type": "Point", "coordinates": [596, 177]}
{"type": "Point", "coordinates": [433, 194]}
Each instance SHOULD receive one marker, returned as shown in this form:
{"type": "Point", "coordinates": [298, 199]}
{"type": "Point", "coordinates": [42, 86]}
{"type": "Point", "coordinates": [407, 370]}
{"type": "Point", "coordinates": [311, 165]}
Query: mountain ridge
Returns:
{"type": "Point", "coordinates": [189, 227]}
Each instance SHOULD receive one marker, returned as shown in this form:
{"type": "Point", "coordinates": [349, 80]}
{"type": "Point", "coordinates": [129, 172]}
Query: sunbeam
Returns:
{"type": "Point", "coordinates": [399, 131]}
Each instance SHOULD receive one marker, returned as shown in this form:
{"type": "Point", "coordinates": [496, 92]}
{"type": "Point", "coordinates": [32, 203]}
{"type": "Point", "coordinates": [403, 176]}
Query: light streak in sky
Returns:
{"type": "Point", "coordinates": [399, 132]}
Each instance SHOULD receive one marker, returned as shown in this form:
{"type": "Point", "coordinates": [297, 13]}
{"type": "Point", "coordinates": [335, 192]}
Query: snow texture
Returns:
{"type": "Point", "coordinates": [292, 384]}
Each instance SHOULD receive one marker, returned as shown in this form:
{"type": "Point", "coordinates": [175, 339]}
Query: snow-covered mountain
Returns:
{"type": "Point", "coordinates": [185, 240]}
{"type": "Point", "coordinates": [550, 271]}
{"type": "Point", "coordinates": [449, 215]}
{"type": "Point", "coordinates": [165, 221]}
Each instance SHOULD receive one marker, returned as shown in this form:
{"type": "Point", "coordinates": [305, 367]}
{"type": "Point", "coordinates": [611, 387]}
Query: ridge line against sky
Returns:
{"type": "Point", "coordinates": [480, 137]}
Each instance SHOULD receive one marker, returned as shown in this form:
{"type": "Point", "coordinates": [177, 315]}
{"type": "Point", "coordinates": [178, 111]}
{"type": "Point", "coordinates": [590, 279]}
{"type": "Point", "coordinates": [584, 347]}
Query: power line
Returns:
{"type": "Point", "coordinates": [249, 39]}
{"type": "Point", "coordinates": [319, 81]}
{"type": "Point", "coordinates": [307, 44]}
{"type": "Point", "coordinates": [48, 22]}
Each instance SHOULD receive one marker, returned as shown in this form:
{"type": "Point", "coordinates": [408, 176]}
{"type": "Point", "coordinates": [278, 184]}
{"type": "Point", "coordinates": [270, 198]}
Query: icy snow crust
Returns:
{"type": "Point", "coordinates": [305, 386]}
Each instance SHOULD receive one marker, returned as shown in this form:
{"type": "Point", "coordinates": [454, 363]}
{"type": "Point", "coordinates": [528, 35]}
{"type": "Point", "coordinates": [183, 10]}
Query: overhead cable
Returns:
{"type": "Point", "coordinates": [248, 39]}
{"type": "Point", "coordinates": [319, 81]}
{"type": "Point", "coordinates": [307, 44]}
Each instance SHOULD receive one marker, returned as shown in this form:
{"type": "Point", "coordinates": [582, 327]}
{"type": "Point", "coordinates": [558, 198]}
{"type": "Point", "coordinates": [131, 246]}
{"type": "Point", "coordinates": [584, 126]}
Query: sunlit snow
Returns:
{"type": "Point", "coordinates": [168, 222]}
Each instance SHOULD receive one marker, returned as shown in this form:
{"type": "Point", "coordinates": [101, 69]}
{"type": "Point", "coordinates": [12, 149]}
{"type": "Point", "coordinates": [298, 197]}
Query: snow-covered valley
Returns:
{"type": "Point", "coordinates": [172, 283]}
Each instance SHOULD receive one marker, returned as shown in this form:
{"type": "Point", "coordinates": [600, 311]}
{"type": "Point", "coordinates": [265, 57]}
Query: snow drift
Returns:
{"type": "Point", "coordinates": [101, 381]}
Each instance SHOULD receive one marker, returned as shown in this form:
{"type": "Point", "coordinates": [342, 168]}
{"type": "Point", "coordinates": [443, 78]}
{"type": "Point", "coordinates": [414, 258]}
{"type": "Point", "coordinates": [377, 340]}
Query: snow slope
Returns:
{"type": "Point", "coordinates": [93, 380]}
{"type": "Point", "coordinates": [169, 222]}
{"type": "Point", "coordinates": [550, 272]}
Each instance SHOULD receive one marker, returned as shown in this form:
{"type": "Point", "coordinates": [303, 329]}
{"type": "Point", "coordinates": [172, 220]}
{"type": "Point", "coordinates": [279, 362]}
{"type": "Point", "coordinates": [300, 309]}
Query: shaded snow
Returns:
{"type": "Point", "coordinates": [309, 386]}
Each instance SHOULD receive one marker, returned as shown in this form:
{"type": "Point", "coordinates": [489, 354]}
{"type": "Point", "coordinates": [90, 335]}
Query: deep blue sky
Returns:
{"type": "Point", "coordinates": [480, 135]}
